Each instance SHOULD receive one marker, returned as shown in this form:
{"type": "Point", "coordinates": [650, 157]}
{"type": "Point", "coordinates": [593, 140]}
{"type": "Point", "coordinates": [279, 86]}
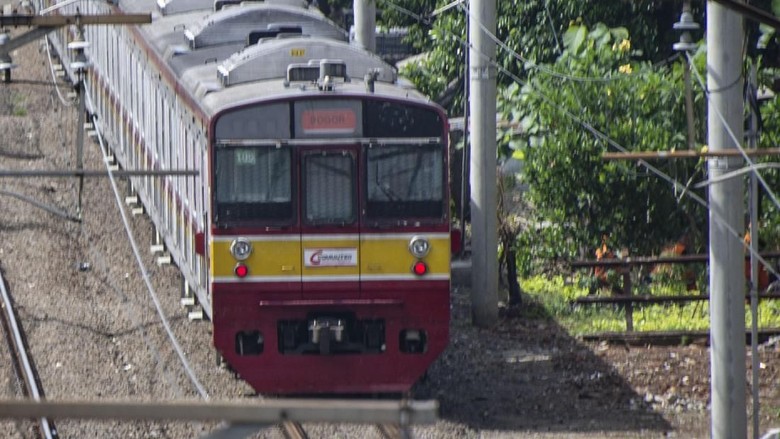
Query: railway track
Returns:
{"type": "Point", "coordinates": [294, 430]}
{"type": "Point", "coordinates": [671, 338]}
{"type": "Point", "coordinates": [394, 431]}
{"type": "Point", "coordinates": [22, 363]}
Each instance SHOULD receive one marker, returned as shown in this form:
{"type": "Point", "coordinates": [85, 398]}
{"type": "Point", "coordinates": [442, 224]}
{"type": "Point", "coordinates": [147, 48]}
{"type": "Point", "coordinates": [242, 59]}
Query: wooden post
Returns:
{"type": "Point", "coordinates": [627, 291]}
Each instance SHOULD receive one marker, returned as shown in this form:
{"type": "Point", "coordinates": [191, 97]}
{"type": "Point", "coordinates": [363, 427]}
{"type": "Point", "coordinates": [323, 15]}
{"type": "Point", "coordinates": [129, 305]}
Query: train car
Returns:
{"type": "Point", "coordinates": [316, 237]}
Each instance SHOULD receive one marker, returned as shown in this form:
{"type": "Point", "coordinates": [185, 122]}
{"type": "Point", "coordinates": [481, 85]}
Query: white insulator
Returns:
{"type": "Point", "coordinates": [79, 66]}
{"type": "Point", "coordinates": [76, 45]}
{"type": "Point", "coordinates": [164, 259]}
{"type": "Point", "coordinates": [196, 314]}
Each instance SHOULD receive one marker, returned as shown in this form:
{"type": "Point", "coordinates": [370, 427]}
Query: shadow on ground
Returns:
{"type": "Point", "coordinates": [528, 374]}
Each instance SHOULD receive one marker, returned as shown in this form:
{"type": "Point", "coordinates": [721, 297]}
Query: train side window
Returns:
{"type": "Point", "coordinates": [329, 188]}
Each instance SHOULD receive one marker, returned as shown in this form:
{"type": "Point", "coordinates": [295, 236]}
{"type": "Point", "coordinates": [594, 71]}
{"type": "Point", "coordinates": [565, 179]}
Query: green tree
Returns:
{"type": "Point", "coordinates": [594, 87]}
{"type": "Point", "coordinates": [532, 29]}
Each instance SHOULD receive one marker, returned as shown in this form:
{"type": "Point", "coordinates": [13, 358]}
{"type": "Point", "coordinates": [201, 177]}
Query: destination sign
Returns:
{"type": "Point", "coordinates": [331, 121]}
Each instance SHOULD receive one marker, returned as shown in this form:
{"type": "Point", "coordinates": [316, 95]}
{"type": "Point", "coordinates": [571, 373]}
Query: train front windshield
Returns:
{"type": "Point", "coordinates": [385, 161]}
{"type": "Point", "coordinates": [254, 184]}
{"type": "Point", "coordinates": [404, 181]}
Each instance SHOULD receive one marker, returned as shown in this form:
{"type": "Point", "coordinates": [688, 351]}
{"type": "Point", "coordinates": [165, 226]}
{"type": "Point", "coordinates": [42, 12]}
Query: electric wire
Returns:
{"type": "Point", "coordinates": [558, 46]}
{"type": "Point", "coordinates": [730, 131]}
{"type": "Point", "coordinates": [598, 134]}
{"type": "Point", "coordinates": [171, 336]}
{"type": "Point", "coordinates": [753, 169]}
{"type": "Point", "coordinates": [98, 260]}
{"type": "Point", "coordinates": [63, 100]}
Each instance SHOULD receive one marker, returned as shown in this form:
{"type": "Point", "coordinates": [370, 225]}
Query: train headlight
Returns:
{"type": "Point", "coordinates": [241, 248]}
{"type": "Point", "coordinates": [419, 246]}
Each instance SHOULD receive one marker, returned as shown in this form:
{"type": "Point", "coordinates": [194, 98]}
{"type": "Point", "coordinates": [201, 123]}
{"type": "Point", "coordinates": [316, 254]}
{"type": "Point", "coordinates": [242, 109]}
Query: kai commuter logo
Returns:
{"type": "Point", "coordinates": [330, 257]}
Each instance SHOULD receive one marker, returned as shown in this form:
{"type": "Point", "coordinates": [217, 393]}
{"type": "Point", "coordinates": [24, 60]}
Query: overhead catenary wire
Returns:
{"type": "Point", "coordinates": [99, 260]}
{"type": "Point", "coordinates": [590, 128]}
{"type": "Point", "coordinates": [558, 46]}
{"type": "Point", "coordinates": [514, 54]}
{"type": "Point", "coordinates": [736, 141]}
{"type": "Point", "coordinates": [147, 281]}
{"type": "Point", "coordinates": [63, 100]}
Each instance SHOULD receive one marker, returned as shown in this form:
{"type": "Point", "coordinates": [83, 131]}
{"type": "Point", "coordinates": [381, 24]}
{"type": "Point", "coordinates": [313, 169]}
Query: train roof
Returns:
{"type": "Point", "coordinates": [208, 51]}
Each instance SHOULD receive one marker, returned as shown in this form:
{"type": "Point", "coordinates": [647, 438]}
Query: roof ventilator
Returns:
{"type": "Point", "coordinates": [331, 69]}
{"type": "Point", "coordinates": [320, 71]}
{"type": "Point", "coordinates": [272, 31]}
{"type": "Point", "coordinates": [219, 4]}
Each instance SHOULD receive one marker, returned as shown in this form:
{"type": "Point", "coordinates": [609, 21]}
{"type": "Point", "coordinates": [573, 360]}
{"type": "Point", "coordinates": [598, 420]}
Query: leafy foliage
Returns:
{"type": "Point", "coordinates": [532, 30]}
{"type": "Point", "coordinates": [595, 87]}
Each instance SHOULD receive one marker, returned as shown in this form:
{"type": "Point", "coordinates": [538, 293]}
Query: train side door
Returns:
{"type": "Point", "coordinates": [330, 227]}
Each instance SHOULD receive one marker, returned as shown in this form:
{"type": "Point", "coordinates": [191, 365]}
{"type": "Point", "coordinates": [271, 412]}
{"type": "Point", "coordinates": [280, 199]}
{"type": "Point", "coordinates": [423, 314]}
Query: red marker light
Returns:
{"type": "Point", "coordinates": [241, 270]}
{"type": "Point", "coordinates": [419, 268]}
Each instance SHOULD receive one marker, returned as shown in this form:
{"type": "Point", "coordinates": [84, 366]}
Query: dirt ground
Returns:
{"type": "Point", "coordinates": [530, 378]}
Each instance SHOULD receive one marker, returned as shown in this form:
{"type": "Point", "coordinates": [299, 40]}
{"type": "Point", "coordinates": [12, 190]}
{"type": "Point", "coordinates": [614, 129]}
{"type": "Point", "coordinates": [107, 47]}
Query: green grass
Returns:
{"type": "Point", "coordinates": [553, 298]}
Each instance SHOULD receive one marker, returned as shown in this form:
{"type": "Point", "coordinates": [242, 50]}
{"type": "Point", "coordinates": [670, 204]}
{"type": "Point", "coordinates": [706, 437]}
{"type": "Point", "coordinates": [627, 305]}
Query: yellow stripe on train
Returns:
{"type": "Point", "coordinates": [342, 256]}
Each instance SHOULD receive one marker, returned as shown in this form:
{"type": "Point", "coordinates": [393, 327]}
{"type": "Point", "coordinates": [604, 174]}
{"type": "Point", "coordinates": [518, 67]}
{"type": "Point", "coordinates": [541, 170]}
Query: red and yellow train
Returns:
{"type": "Point", "coordinates": [316, 237]}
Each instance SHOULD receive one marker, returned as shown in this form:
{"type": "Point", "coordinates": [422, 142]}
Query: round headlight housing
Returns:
{"type": "Point", "coordinates": [419, 246]}
{"type": "Point", "coordinates": [241, 248]}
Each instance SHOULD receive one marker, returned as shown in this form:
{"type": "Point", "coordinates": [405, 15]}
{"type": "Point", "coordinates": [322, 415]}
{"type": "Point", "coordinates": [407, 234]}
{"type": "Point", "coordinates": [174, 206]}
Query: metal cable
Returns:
{"type": "Point", "coordinates": [733, 136]}
{"type": "Point", "coordinates": [98, 260]}
{"type": "Point", "coordinates": [179, 351]}
{"type": "Point", "coordinates": [675, 184]}
{"type": "Point", "coordinates": [64, 101]}
{"type": "Point", "coordinates": [25, 361]}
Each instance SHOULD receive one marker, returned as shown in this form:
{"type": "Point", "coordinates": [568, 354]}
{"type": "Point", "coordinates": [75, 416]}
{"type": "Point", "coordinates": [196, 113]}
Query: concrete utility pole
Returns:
{"type": "Point", "coordinates": [725, 39]}
{"type": "Point", "coordinates": [484, 223]}
{"type": "Point", "coordinates": [365, 23]}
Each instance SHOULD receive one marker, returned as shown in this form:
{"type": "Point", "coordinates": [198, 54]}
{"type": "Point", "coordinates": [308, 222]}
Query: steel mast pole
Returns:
{"type": "Point", "coordinates": [484, 203]}
{"type": "Point", "coordinates": [725, 39]}
{"type": "Point", "coordinates": [365, 23]}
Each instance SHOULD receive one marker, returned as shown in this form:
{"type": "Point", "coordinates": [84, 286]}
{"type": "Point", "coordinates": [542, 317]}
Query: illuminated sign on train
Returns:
{"type": "Point", "coordinates": [342, 121]}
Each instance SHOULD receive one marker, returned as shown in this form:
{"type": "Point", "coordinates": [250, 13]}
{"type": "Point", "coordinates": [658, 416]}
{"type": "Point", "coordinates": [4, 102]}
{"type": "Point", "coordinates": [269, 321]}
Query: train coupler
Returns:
{"type": "Point", "coordinates": [324, 331]}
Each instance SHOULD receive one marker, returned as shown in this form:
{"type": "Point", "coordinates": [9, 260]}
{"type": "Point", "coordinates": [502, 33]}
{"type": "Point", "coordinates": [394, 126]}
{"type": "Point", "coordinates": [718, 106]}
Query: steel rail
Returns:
{"type": "Point", "coordinates": [78, 19]}
{"type": "Point", "coordinates": [39, 205]}
{"type": "Point", "coordinates": [393, 431]}
{"type": "Point", "coordinates": [293, 430]}
{"type": "Point", "coordinates": [670, 338]}
{"type": "Point", "coordinates": [47, 428]}
{"type": "Point", "coordinates": [95, 173]}
{"type": "Point", "coordinates": [686, 154]}
{"type": "Point", "coordinates": [267, 411]}
{"type": "Point", "coordinates": [653, 260]}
